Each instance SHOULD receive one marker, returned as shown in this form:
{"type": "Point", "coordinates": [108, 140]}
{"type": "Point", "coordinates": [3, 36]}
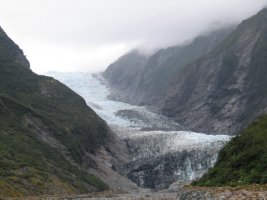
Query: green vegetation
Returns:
{"type": "Point", "coordinates": [30, 166]}
{"type": "Point", "coordinates": [243, 160]}
{"type": "Point", "coordinates": [45, 132]}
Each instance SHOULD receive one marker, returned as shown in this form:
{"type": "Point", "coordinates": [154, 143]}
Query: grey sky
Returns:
{"type": "Point", "coordinates": [87, 35]}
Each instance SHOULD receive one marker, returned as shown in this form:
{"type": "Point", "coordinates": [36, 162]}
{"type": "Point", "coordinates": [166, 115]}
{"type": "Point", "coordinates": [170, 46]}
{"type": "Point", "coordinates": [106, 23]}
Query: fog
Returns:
{"type": "Point", "coordinates": [87, 35]}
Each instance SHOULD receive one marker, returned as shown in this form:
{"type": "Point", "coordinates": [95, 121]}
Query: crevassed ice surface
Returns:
{"type": "Point", "coordinates": [172, 152]}
{"type": "Point", "coordinates": [130, 121]}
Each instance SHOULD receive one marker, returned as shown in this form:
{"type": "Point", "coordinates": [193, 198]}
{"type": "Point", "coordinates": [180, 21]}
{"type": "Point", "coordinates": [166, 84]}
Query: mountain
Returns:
{"type": "Point", "coordinates": [218, 88]}
{"type": "Point", "coordinates": [49, 137]}
{"type": "Point", "coordinates": [141, 79]}
{"type": "Point", "coordinates": [162, 154]}
{"type": "Point", "coordinates": [224, 91]}
{"type": "Point", "coordinates": [243, 160]}
{"type": "Point", "coordinates": [123, 75]}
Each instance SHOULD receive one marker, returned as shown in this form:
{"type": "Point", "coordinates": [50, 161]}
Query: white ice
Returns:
{"type": "Point", "coordinates": [93, 89]}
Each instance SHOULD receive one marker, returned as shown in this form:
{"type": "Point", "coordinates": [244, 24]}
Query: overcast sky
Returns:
{"type": "Point", "coordinates": [87, 35]}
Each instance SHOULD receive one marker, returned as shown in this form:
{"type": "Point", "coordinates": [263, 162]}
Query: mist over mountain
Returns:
{"type": "Point", "coordinates": [88, 35]}
{"type": "Point", "coordinates": [213, 85]}
{"type": "Point", "coordinates": [209, 85]}
{"type": "Point", "coordinates": [186, 103]}
{"type": "Point", "coordinates": [142, 79]}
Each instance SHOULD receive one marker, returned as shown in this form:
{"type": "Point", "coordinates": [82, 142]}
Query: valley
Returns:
{"type": "Point", "coordinates": [187, 121]}
{"type": "Point", "coordinates": [163, 154]}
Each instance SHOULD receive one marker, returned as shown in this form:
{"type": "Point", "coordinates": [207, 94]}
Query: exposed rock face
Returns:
{"type": "Point", "coordinates": [217, 88]}
{"type": "Point", "coordinates": [125, 78]}
{"type": "Point", "coordinates": [140, 79]}
{"type": "Point", "coordinates": [224, 91]}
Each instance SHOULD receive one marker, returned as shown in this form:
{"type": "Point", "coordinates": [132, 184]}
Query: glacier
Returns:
{"type": "Point", "coordinates": [163, 153]}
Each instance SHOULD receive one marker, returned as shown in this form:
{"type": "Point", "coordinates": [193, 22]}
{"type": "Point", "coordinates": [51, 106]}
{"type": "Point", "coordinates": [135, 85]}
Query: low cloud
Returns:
{"type": "Point", "coordinates": [86, 35]}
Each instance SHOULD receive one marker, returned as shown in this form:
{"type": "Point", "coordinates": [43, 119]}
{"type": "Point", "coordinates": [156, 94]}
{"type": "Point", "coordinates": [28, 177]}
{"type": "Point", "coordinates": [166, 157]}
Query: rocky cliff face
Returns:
{"type": "Point", "coordinates": [216, 88]}
{"type": "Point", "coordinates": [125, 78]}
{"type": "Point", "coordinates": [140, 79]}
{"type": "Point", "coordinates": [224, 91]}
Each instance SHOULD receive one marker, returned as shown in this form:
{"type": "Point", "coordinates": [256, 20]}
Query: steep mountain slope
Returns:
{"type": "Point", "coordinates": [225, 90]}
{"type": "Point", "coordinates": [47, 132]}
{"type": "Point", "coordinates": [219, 87]}
{"type": "Point", "coordinates": [146, 79]}
{"type": "Point", "coordinates": [242, 160]}
{"type": "Point", "coordinates": [124, 73]}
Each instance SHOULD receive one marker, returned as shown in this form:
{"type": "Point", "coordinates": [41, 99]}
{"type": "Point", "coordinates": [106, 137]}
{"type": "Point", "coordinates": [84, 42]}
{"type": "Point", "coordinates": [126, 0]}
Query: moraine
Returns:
{"type": "Point", "coordinates": [164, 154]}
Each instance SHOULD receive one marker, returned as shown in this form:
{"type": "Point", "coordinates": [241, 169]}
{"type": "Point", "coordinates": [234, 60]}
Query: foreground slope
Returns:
{"type": "Point", "coordinates": [46, 131]}
{"type": "Point", "coordinates": [243, 160]}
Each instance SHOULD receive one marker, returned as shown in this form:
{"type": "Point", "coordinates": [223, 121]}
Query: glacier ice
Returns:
{"type": "Point", "coordinates": [162, 151]}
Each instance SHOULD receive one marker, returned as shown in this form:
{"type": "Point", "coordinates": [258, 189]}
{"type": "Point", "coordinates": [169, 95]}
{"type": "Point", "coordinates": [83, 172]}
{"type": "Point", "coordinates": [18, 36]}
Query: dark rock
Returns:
{"type": "Point", "coordinates": [216, 84]}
